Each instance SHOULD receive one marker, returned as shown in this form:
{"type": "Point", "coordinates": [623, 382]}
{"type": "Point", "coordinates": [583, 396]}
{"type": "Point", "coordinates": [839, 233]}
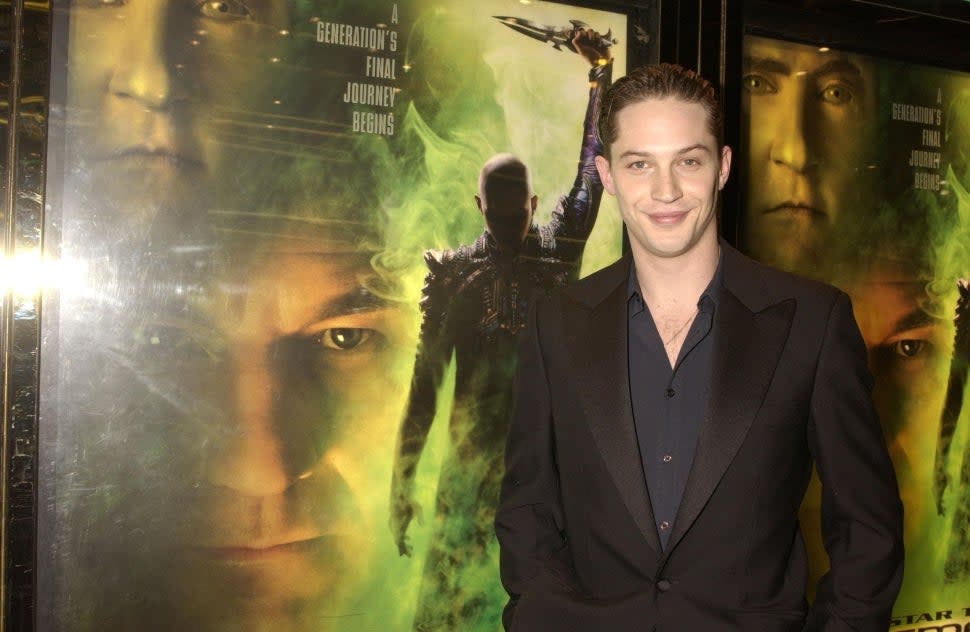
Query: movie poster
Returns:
{"type": "Point", "coordinates": [857, 172]}
{"type": "Point", "coordinates": [246, 420]}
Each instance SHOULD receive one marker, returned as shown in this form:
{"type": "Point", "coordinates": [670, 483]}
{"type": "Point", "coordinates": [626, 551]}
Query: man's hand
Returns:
{"type": "Point", "coordinates": [592, 46]}
{"type": "Point", "coordinates": [403, 510]}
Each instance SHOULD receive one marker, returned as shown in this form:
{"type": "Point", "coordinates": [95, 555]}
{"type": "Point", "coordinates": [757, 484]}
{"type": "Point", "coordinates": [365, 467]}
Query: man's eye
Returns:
{"type": "Point", "coordinates": [691, 162]}
{"type": "Point", "coordinates": [758, 84]}
{"type": "Point", "coordinates": [909, 348]}
{"type": "Point", "coordinates": [837, 93]}
{"type": "Point", "coordinates": [344, 338]}
{"type": "Point", "coordinates": [226, 10]}
{"type": "Point", "coordinates": [639, 164]}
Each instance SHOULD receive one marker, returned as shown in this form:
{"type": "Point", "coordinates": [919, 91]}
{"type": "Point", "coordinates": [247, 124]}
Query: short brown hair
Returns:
{"type": "Point", "coordinates": [658, 81]}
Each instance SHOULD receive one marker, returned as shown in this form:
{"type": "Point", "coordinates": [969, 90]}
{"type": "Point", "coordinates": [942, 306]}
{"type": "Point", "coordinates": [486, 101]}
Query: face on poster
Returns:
{"type": "Point", "coordinates": [154, 89]}
{"type": "Point", "coordinates": [247, 189]}
{"type": "Point", "coordinates": [809, 117]}
{"type": "Point", "coordinates": [853, 178]}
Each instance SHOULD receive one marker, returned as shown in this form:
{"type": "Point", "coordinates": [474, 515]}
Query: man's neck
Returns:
{"type": "Point", "coordinates": [677, 282]}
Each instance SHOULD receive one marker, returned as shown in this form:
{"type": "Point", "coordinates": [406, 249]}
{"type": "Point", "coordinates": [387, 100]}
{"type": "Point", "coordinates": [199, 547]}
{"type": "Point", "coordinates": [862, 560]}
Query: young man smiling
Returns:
{"type": "Point", "coordinates": [670, 407]}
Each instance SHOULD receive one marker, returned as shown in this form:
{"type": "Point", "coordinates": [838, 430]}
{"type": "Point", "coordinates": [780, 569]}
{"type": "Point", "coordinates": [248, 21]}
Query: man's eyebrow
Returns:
{"type": "Point", "coordinates": [839, 66]}
{"type": "Point", "coordinates": [356, 301]}
{"type": "Point", "coordinates": [695, 147]}
{"type": "Point", "coordinates": [635, 153]}
{"type": "Point", "coordinates": [766, 64]}
{"type": "Point", "coordinates": [915, 319]}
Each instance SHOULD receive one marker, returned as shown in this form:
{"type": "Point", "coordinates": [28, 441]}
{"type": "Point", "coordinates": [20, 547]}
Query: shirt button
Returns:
{"type": "Point", "coordinates": [670, 393]}
{"type": "Point", "coordinates": [664, 525]}
{"type": "Point", "coordinates": [663, 585]}
{"type": "Point", "coordinates": [668, 458]}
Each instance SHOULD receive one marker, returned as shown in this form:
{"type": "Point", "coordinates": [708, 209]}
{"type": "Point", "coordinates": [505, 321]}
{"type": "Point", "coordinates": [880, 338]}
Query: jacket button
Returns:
{"type": "Point", "coordinates": [663, 585]}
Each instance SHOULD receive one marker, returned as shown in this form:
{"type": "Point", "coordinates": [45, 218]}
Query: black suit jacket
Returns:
{"type": "Point", "coordinates": [580, 549]}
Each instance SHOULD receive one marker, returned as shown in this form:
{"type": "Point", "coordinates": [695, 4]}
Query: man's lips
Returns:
{"type": "Point", "coordinates": [667, 217]}
{"type": "Point", "coordinates": [151, 154]}
{"type": "Point", "coordinates": [255, 552]}
{"type": "Point", "coordinates": [794, 206]}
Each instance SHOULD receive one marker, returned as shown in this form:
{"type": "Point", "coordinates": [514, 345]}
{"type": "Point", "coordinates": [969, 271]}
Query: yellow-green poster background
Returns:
{"type": "Point", "coordinates": [240, 198]}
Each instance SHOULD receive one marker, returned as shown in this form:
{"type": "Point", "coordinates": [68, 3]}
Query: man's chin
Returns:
{"type": "Point", "coordinates": [273, 592]}
{"type": "Point", "coordinates": [793, 242]}
{"type": "Point", "coordinates": [250, 615]}
{"type": "Point", "coordinates": [136, 194]}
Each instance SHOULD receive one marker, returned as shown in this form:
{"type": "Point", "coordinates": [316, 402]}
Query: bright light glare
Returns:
{"type": "Point", "coordinates": [26, 274]}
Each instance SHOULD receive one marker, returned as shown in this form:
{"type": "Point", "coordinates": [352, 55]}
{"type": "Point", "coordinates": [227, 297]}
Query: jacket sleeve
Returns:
{"type": "Point", "coordinates": [529, 520]}
{"type": "Point", "coordinates": [861, 509]}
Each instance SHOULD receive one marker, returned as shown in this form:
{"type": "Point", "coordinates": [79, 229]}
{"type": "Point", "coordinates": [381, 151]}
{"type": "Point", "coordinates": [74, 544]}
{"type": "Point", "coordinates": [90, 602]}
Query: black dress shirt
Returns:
{"type": "Point", "coordinates": [669, 404]}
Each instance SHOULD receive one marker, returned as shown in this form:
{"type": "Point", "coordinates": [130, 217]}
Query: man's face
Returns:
{"type": "Point", "coordinates": [508, 215]}
{"type": "Point", "coordinates": [808, 115]}
{"type": "Point", "coordinates": [665, 171]}
{"type": "Point", "coordinates": [155, 91]}
{"type": "Point", "coordinates": [908, 358]}
{"type": "Point", "coordinates": [301, 369]}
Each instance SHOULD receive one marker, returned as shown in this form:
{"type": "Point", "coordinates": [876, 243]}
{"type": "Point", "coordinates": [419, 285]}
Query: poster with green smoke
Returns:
{"type": "Point", "coordinates": [273, 380]}
{"type": "Point", "coordinates": [857, 172]}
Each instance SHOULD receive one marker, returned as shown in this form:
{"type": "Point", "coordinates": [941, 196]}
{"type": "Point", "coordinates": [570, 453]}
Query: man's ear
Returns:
{"type": "Point", "coordinates": [725, 170]}
{"type": "Point", "coordinates": [603, 167]}
{"type": "Point", "coordinates": [478, 203]}
{"type": "Point", "coordinates": [534, 201]}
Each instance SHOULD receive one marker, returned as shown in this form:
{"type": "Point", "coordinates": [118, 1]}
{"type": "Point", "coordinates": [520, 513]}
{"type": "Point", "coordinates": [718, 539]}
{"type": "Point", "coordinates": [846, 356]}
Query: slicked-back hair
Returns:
{"type": "Point", "coordinates": [659, 81]}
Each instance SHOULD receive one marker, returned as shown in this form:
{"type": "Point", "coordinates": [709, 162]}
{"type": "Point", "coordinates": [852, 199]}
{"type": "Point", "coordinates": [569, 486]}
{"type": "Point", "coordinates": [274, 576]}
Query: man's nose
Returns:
{"type": "Point", "coordinates": [254, 455]}
{"type": "Point", "coordinates": [667, 185]}
{"type": "Point", "coordinates": [789, 146]}
{"type": "Point", "coordinates": [146, 70]}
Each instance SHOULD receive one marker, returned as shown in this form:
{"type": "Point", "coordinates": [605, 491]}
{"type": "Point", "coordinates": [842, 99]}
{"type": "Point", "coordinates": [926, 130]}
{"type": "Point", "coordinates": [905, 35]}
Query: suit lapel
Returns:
{"type": "Point", "coordinates": [598, 343]}
{"type": "Point", "coordinates": [747, 347]}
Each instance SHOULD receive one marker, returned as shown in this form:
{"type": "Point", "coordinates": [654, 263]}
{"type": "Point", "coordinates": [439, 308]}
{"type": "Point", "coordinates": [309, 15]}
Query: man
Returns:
{"type": "Point", "coordinates": [669, 407]}
{"type": "Point", "coordinates": [810, 146]}
{"type": "Point", "coordinates": [279, 363]}
{"type": "Point", "coordinates": [305, 363]}
{"type": "Point", "coordinates": [474, 306]}
{"type": "Point", "coordinates": [889, 269]}
{"type": "Point", "coordinates": [157, 94]}
{"type": "Point", "coordinates": [888, 266]}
